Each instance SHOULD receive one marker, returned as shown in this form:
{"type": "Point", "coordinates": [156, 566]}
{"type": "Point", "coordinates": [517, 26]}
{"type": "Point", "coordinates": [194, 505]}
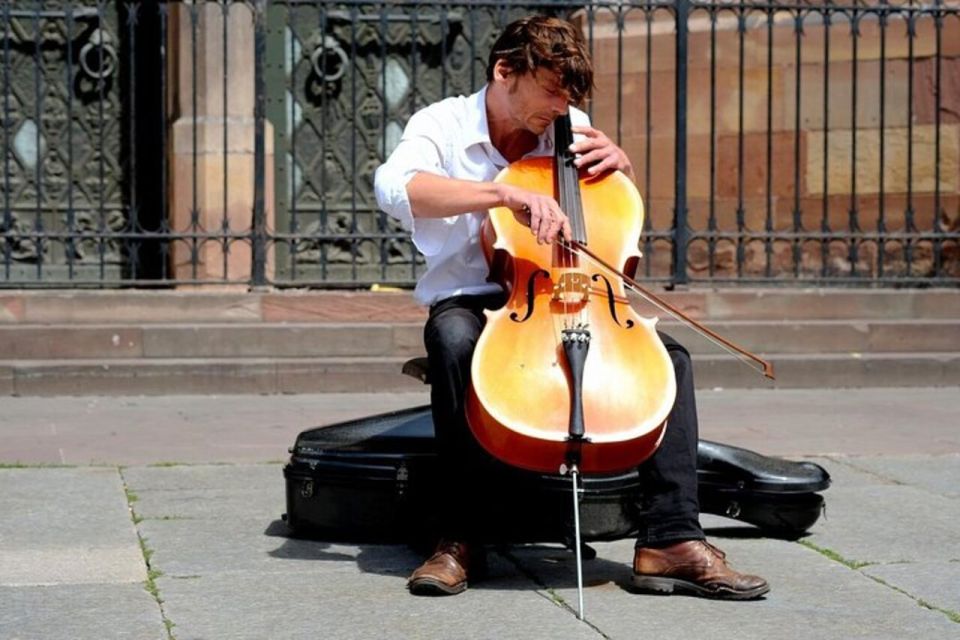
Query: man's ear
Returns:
{"type": "Point", "coordinates": [501, 70]}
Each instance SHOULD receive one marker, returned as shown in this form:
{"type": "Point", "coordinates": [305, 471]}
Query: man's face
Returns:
{"type": "Point", "coordinates": [536, 99]}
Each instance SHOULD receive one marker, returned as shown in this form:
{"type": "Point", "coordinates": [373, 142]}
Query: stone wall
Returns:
{"type": "Point", "coordinates": [211, 155]}
{"type": "Point", "coordinates": [806, 139]}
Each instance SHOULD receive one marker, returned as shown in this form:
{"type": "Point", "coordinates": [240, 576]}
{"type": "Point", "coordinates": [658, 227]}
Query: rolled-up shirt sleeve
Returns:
{"type": "Point", "coordinates": [420, 149]}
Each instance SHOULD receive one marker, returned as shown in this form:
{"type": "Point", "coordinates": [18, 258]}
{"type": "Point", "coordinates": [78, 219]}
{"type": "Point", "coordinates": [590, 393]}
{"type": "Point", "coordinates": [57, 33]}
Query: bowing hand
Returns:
{"type": "Point", "coordinates": [539, 212]}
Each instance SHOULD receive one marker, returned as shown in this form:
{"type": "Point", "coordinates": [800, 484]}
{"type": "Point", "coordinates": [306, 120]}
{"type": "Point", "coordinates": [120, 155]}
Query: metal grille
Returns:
{"type": "Point", "coordinates": [774, 142]}
{"type": "Point", "coordinates": [63, 202]}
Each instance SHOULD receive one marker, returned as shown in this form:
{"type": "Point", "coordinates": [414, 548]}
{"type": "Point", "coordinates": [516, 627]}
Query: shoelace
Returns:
{"type": "Point", "coordinates": [717, 552]}
{"type": "Point", "coordinates": [456, 549]}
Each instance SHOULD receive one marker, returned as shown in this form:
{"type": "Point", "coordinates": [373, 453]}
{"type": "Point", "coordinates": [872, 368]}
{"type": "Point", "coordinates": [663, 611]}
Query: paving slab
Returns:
{"type": "Point", "coordinates": [807, 422]}
{"type": "Point", "coordinates": [871, 518]}
{"type": "Point", "coordinates": [313, 603]}
{"type": "Point", "coordinates": [939, 475]}
{"type": "Point", "coordinates": [80, 612]}
{"type": "Point", "coordinates": [139, 430]}
{"type": "Point", "coordinates": [811, 597]}
{"type": "Point", "coordinates": [203, 547]}
{"type": "Point", "coordinates": [936, 583]}
{"type": "Point", "coordinates": [208, 491]}
{"type": "Point", "coordinates": [66, 526]}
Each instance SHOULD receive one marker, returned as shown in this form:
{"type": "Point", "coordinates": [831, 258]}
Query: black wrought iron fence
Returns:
{"type": "Point", "coordinates": [195, 143]}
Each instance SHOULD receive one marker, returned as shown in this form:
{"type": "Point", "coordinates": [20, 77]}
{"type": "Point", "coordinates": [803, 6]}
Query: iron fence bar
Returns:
{"type": "Point", "coordinates": [797, 212]}
{"type": "Point", "coordinates": [390, 17]}
{"type": "Point", "coordinates": [852, 224]}
{"type": "Point", "coordinates": [712, 205]}
{"type": "Point", "coordinates": [825, 219]}
{"type": "Point", "coordinates": [225, 223]}
{"type": "Point", "coordinates": [38, 142]}
{"type": "Point", "coordinates": [741, 213]}
{"type": "Point", "coordinates": [71, 216]}
{"type": "Point", "coordinates": [413, 57]}
{"type": "Point", "coordinates": [648, 140]}
{"type": "Point", "coordinates": [7, 214]}
{"type": "Point", "coordinates": [413, 109]}
{"type": "Point", "coordinates": [406, 239]}
{"type": "Point", "coordinates": [881, 214]}
{"type": "Point", "coordinates": [662, 234]}
{"type": "Point", "coordinates": [132, 249]}
{"type": "Point", "coordinates": [768, 245]}
{"type": "Point", "coordinates": [235, 236]}
{"type": "Point", "coordinates": [831, 235]}
{"type": "Point", "coordinates": [163, 247]}
{"type": "Point", "coordinates": [292, 127]}
{"type": "Point", "coordinates": [444, 31]}
{"type": "Point", "coordinates": [938, 94]}
{"type": "Point", "coordinates": [324, 141]}
{"type": "Point", "coordinates": [205, 236]}
{"type": "Point", "coordinates": [591, 18]}
{"type": "Point", "coordinates": [382, 216]}
{"type": "Point", "coordinates": [80, 12]}
{"type": "Point", "coordinates": [680, 195]}
{"type": "Point", "coordinates": [908, 214]}
{"type": "Point", "coordinates": [620, 28]}
{"type": "Point", "coordinates": [663, 4]}
{"type": "Point", "coordinates": [835, 281]}
{"type": "Point", "coordinates": [473, 52]}
{"type": "Point", "coordinates": [259, 232]}
{"type": "Point", "coordinates": [831, 281]}
{"type": "Point", "coordinates": [195, 208]}
{"type": "Point", "coordinates": [353, 139]}
{"type": "Point", "coordinates": [101, 160]}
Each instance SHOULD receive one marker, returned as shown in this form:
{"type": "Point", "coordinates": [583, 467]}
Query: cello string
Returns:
{"type": "Point", "coordinates": [577, 222]}
{"type": "Point", "coordinates": [561, 153]}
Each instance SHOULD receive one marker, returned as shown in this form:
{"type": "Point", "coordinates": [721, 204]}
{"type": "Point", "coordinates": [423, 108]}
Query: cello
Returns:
{"type": "Point", "coordinates": [566, 371]}
{"type": "Point", "coordinates": [566, 376]}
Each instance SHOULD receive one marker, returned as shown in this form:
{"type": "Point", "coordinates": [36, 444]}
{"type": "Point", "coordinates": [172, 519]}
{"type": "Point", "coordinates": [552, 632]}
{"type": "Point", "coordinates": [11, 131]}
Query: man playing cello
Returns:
{"type": "Point", "coordinates": [438, 183]}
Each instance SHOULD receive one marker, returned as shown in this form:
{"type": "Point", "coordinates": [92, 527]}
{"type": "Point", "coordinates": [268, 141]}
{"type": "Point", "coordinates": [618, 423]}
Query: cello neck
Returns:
{"type": "Point", "coordinates": [568, 179]}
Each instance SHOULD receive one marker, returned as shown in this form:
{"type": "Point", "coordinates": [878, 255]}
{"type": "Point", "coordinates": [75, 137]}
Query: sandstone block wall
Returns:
{"type": "Point", "coordinates": [792, 144]}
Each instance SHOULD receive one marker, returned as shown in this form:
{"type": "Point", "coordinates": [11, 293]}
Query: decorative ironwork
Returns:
{"type": "Point", "coordinates": [353, 73]}
{"type": "Point", "coordinates": [63, 152]}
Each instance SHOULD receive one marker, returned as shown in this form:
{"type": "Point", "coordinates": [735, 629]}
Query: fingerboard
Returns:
{"type": "Point", "coordinates": [567, 178]}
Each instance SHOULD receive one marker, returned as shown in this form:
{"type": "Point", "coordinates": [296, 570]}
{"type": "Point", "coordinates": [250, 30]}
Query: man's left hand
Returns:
{"type": "Point", "coordinates": [598, 153]}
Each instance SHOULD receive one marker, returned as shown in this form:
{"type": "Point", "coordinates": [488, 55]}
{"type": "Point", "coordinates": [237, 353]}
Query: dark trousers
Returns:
{"type": "Point", "coordinates": [668, 506]}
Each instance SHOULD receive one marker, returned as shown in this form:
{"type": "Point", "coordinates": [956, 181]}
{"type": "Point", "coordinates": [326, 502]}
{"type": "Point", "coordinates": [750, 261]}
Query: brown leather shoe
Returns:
{"type": "Point", "coordinates": [694, 567]}
{"type": "Point", "coordinates": [444, 573]}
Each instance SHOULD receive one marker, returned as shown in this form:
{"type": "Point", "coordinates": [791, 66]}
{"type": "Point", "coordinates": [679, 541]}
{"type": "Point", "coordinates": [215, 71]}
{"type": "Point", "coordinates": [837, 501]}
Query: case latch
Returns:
{"type": "Point", "coordinates": [403, 478]}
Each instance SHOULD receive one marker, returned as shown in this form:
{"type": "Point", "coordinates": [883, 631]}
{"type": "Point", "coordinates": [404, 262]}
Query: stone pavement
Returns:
{"type": "Point", "coordinates": [159, 518]}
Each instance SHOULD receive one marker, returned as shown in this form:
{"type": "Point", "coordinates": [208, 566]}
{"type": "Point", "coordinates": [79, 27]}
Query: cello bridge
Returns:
{"type": "Point", "coordinates": [571, 287]}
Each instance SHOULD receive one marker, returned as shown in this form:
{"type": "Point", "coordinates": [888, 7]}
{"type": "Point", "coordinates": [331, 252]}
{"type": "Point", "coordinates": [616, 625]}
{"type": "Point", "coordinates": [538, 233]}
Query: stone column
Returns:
{"type": "Point", "coordinates": [212, 142]}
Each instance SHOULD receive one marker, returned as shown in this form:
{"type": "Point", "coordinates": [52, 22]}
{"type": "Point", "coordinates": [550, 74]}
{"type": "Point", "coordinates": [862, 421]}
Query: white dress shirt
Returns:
{"type": "Point", "coordinates": [450, 138]}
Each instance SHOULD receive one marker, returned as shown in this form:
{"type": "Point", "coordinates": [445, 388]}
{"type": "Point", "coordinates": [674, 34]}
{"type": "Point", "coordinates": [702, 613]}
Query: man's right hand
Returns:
{"type": "Point", "coordinates": [539, 212]}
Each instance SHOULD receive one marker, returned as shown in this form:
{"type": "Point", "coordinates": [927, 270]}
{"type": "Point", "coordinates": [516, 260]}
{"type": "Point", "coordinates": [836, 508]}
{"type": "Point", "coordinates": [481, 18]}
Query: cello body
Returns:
{"type": "Point", "coordinates": [519, 403]}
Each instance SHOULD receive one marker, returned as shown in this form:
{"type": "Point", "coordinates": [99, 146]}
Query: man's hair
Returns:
{"type": "Point", "coordinates": [541, 42]}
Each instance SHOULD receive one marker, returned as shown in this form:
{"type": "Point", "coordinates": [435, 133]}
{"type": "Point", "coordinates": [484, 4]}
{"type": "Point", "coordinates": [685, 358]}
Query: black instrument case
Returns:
{"type": "Point", "coordinates": [375, 478]}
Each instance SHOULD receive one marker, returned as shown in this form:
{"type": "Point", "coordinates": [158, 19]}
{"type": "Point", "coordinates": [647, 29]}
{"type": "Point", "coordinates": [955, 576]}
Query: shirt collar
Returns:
{"type": "Point", "coordinates": [478, 131]}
